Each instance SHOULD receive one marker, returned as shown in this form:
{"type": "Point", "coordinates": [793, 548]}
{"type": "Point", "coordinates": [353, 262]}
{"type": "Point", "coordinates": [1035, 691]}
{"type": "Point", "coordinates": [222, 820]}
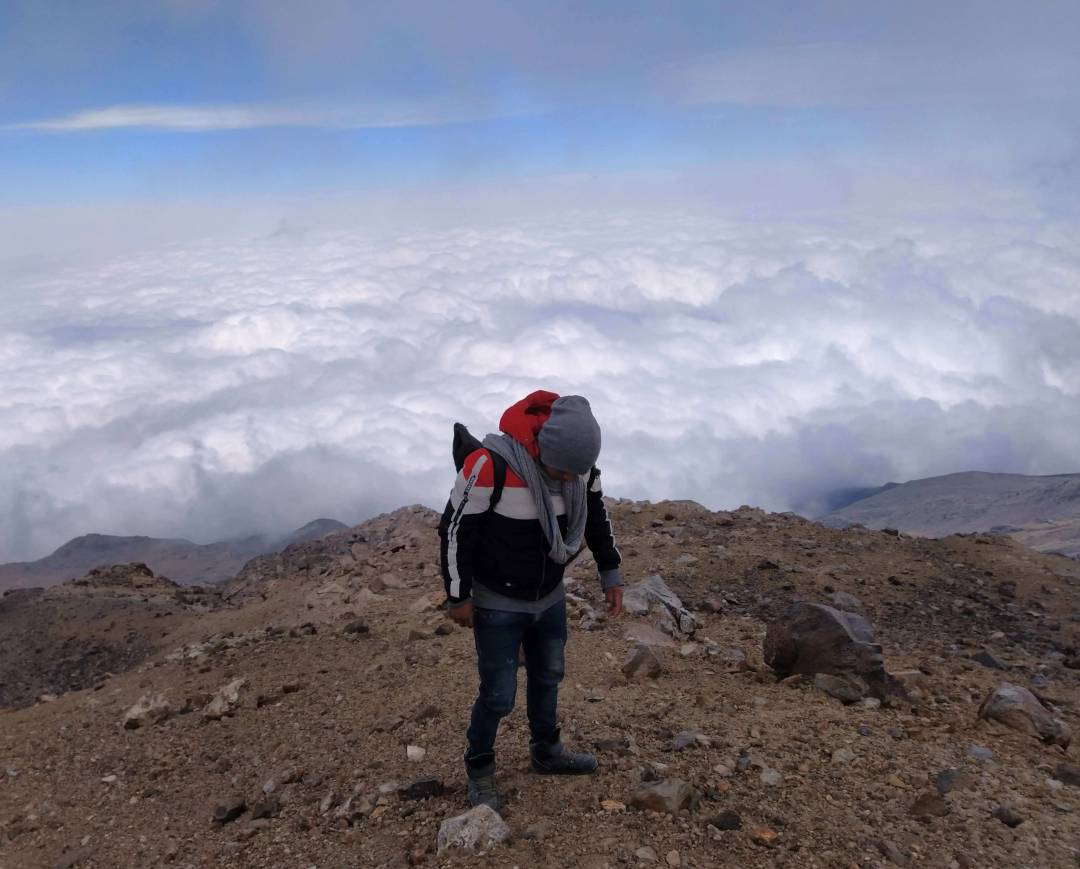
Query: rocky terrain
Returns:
{"type": "Point", "coordinates": [183, 561]}
{"type": "Point", "coordinates": [313, 714]}
{"type": "Point", "coordinates": [1040, 512]}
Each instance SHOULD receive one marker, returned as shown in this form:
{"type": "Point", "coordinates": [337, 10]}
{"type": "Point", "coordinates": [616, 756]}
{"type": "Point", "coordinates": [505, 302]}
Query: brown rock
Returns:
{"type": "Point", "coordinates": [670, 796]}
{"type": "Point", "coordinates": [764, 836]}
{"type": "Point", "coordinates": [929, 805]}
{"type": "Point", "coordinates": [908, 685]}
{"type": "Point", "coordinates": [643, 660]}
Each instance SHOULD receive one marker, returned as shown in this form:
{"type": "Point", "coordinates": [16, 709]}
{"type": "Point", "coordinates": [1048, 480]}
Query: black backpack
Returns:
{"type": "Point", "coordinates": [464, 445]}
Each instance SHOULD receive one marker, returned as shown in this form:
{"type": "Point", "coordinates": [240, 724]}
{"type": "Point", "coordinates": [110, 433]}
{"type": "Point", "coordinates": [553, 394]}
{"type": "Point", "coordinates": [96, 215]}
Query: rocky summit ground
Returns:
{"type": "Point", "coordinates": [313, 715]}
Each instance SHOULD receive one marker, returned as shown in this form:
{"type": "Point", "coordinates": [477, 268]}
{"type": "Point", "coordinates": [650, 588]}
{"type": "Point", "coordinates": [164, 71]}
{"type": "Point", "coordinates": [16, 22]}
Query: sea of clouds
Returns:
{"type": "Point", "coordinates": [219, 388]}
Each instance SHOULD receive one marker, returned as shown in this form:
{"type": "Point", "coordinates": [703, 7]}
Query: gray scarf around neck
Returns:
{"type": "Point", "coordinates": [525, 466]}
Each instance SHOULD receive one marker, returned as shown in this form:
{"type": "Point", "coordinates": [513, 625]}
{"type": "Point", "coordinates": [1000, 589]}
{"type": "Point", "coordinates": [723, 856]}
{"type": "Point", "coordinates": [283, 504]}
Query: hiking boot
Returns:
{"type": "Point", "coordinates": [551, 757]}
{"type": "Point", "coordinates": [480, 771]}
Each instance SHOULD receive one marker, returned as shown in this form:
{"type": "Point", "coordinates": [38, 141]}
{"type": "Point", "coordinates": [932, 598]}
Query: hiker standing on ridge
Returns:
{"type": "Point", "coordinates": [503, 570]}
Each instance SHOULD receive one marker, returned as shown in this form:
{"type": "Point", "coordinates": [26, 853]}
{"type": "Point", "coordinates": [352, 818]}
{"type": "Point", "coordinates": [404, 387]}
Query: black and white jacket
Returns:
{"type": "Point", "coordinates": [504, 548]}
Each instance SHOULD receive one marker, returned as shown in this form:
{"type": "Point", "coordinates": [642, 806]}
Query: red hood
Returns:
{"type": "Point", "coordinates": [523, 421]}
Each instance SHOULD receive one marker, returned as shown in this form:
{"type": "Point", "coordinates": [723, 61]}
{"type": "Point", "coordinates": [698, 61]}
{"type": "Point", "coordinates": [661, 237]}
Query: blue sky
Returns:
{"type": "Point", "coordinates": [174, 98]}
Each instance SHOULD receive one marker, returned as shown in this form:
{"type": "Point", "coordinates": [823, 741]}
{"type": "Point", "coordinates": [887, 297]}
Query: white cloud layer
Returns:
{"type": "Point", "coordinates": [221, 388]}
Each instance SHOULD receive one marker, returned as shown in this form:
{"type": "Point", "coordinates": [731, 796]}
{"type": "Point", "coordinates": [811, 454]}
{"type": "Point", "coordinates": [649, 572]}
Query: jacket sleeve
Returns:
{"type": "Point", "coordinates": [599, 535]}
{"type": "Point", "coordinates": [462, 524]}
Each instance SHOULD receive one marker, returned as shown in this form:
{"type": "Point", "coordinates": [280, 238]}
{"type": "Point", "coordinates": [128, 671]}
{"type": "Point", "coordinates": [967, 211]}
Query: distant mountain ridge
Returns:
{"type": "Point", "coordinates": [1041, 512]}
{"type": "Point", "coordinates": [181, 560]}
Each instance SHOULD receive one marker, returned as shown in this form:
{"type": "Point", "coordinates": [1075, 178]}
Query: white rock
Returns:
{"type": "Point", "coordinates": [843, 755]}
{"type": "Point", "coordinates": [422, 604]}
{"type": "Point", "coordinates": [415, 753]}
{"type": "Point", "coordinates": [771, 777]}
{"type": "Point", "coordinates": [476, 830]}
{"type": "Point", "coordinates": [225, 701]}
{"type": "Point", "coordinates": [149, 709]}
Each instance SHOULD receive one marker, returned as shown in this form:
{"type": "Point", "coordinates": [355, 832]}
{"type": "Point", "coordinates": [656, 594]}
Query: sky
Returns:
{"type": "Point", "coordinates": [256, 257]}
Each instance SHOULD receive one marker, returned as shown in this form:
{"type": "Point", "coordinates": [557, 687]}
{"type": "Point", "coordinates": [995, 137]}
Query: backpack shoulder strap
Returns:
{"type": "Point", "coordinates": [498, 468]}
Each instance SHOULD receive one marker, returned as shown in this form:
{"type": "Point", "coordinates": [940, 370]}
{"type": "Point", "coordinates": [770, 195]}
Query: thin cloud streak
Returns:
{"type": "Point", "coordinates": [211, 118]}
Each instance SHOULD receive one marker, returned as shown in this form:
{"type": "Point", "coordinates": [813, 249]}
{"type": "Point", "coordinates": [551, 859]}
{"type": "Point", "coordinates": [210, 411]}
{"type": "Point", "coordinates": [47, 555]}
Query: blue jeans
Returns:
{"type": "Point", "coordinates": [498, 637]}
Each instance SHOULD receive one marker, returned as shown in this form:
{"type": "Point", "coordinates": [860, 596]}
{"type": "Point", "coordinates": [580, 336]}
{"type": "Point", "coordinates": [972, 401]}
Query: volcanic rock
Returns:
{"type": "Point", "coordinates": [423, 789]}
{"type": "Point", "coordinates": [229, 810]}
{"type": "Point", "coordinates": [813, 638]}
{"type": "Point", "coordinates": [988, 659]}
{"type": "Point", "coordinates": [1008, 815]}
{"type": "Point", "coordinates": [847, 689]}
{"type": "Point", "coordinates": [731, 658]}
{"type": "Point", "coordinates": [891, 852]}
{"type": "Point", "coordinates": [951, 779]}
{"type": "Point", "coordinates": [267, 808]}
{"type": "Point", "coordinates": [1016, 707]}
{"type": "Point", "coordinates": [726, 820]}
{"type": "Point", "coordinates": [1069, 774]}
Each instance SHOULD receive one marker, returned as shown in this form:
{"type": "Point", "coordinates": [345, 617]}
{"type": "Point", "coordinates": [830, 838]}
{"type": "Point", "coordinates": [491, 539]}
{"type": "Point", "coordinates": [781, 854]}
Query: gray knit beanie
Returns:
{"type": "Point", "coordinates": [570, 439]}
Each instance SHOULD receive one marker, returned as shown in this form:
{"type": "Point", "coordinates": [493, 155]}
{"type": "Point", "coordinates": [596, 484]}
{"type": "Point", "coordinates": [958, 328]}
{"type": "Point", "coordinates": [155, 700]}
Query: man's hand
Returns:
{"type": "Point", "coordinates": [614, 600]}
{"type": "Point", "coordinates": [463, 614]}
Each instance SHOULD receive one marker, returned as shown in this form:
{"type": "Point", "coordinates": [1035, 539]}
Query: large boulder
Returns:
{"type": "Point", "coordinates": [812, 638]}
{"type": "Point", "coordinates": [1016, 707]}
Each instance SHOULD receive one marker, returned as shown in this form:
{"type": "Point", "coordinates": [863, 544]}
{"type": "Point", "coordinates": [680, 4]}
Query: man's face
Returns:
{"type": "Point", "coordinates": [556, 474]}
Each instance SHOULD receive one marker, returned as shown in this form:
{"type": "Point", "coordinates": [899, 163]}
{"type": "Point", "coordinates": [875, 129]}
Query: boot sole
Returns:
{"type": "Point", "coordinates": [541, 771]}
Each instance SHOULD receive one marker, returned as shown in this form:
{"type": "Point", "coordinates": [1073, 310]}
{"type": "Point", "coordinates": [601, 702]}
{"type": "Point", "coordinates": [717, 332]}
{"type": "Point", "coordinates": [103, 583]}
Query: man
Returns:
{"type": "Point", "coordinates": [503, 571]}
